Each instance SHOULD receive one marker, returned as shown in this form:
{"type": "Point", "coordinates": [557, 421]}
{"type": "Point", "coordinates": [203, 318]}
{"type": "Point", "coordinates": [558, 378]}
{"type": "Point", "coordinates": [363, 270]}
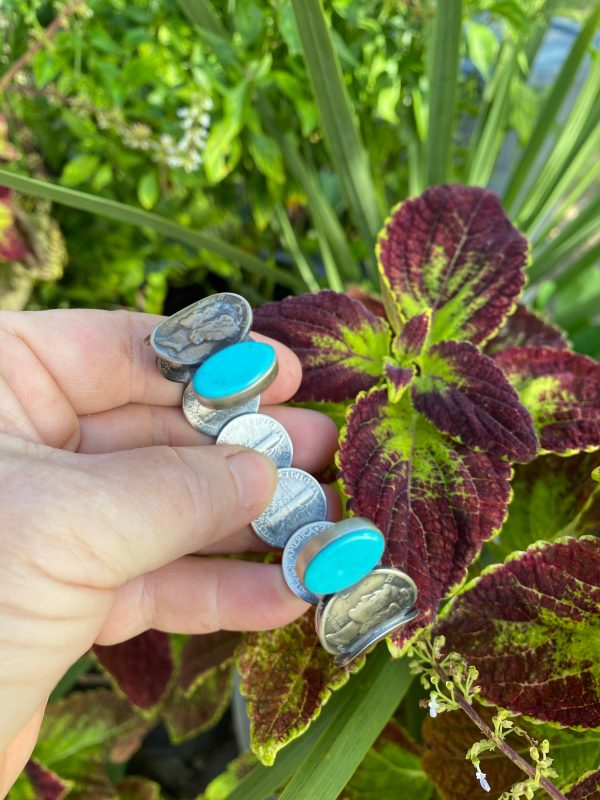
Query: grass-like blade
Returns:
{"type": "Point", "coordinates": [572, 237]}
{"type": "Point", "coordinates": [111, 209]}
{"type": "Point", "coordinates": [339, 122]}
{"type": "Point", "coordinates": [443, 80]}
{"type": "Point", "coordinates": [202, 14]}
{"type": "Point", "coordinates": [565, 148]}
{"type": "Point", "coordinates": [543, 127]}
{"type": "Point", "coordinates": [291, 243]}
{"type": "Point", "coordinates": [489, 142]}
{"type": "Point", "coordinates": [372, 699]}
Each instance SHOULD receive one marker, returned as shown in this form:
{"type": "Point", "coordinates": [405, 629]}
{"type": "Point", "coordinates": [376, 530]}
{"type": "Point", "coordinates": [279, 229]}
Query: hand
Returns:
{"type": "Point", "coordinates": [104, 496]}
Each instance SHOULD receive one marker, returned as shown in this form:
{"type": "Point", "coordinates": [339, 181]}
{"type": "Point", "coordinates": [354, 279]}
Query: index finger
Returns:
{"type": "Point", "coordinates": [101, 359]}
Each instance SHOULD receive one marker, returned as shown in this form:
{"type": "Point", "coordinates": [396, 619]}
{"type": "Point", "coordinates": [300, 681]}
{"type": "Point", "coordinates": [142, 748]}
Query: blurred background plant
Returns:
{"type": "Point", "coordinates": [153, 153]}
{"type": "Point", "coordinates": [280, 144]}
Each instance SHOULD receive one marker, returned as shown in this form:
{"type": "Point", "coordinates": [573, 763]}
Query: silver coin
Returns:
{"type": "Point", "coordinates": [298, 500]}
{"type": "Point", "coordinates": [350, 622]}
{"type": "Point", "coordinates": [262, 433]}
{"type": "Point", "coordinates": [193, 334]}
{"type": "Point", "coordinates": [209, 421]}
{"type": "Point", "coordinates": [175, 372]}
{"type": "Point", "coordinates": [291, 552]}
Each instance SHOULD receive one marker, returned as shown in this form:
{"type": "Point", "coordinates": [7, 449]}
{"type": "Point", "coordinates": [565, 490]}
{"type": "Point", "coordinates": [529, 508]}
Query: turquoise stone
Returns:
{"type": "Point", "coordinates": [233, 370]}
{"type": "Point", "coordinates": [344, 561]}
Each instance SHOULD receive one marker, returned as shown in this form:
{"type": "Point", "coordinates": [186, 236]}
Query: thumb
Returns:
{"type": "Point", "coordinates": [145, 508]}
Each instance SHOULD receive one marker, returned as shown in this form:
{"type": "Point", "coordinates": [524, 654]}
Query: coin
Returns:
{"type": "Point", "coordinates": [262, 433]}
{"type": "Point", "coordinates": [298, 500]}
{"type": "Point", "coordinates": [350, 622]}
{"type": "Point", "coordinates": [209, 421]}
{"type": "Point", "coordinates": [175, 372]}
{"type": "Point", "coordinates": [193, 334]}
{"type": "Point", "coordinates": [294, 546]}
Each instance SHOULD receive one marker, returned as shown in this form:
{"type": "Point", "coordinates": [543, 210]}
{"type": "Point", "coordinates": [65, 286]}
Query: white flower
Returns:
{"type": "Point", "coordinates": [182, 113]}
{"type": "Point", "coordinates": [433, 706]}
{"type": "Point", "coordinates": [482, 779]}
{"type": "Point", "coordinates": [205, 119]}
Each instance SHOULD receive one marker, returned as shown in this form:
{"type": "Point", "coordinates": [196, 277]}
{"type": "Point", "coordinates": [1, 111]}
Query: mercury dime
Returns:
{"type": "Point", "coordinates": [293, 548]}
{"type": "Point", "coordinates": [262, 433]}
{"type": "Point", "coordinates": [175, 372]}
{"type": "Point", "coordinates": [193, 334]}
{"type": "Point", "coordinates": [298, 500]}
{"type": "Point", "coordinates": [350, 622]}
{"type": "Point", "coordinates": [209, 421]}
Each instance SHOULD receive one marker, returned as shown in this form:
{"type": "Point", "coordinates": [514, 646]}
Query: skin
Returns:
{"type": "Point", "coordinates": [108, 501]}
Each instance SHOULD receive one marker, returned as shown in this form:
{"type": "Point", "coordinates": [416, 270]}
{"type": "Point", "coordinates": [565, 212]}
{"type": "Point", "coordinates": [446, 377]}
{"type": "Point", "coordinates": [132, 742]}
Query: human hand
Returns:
{"type": "Point", "coordinates": [105, 495]}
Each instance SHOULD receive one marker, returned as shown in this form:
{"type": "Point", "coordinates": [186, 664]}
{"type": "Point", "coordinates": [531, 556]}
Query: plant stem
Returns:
{"type": "Point", "coordinates": [500, 743]}
{"type": "Point", "coordinates": [49, 32]}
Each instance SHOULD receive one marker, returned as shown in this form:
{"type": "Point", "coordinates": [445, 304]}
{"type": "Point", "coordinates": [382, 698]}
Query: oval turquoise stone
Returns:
{"type": "Point", "coordinates": [234, 369]}
{"type": "Point", "coordinates": [344, 561]}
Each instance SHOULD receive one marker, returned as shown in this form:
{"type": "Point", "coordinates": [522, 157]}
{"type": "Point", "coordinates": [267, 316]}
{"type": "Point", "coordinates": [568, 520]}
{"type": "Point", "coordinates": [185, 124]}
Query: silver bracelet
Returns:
{"type": "Point", "coordinates": [335, 566]}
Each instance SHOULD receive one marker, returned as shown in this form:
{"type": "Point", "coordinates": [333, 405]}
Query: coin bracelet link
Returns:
{"type": "Point", "coordinates": [335, 566]}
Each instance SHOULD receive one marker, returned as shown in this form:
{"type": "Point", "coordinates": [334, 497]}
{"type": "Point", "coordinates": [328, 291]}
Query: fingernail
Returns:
{"type": "Point", "coordinates": [255, 476]}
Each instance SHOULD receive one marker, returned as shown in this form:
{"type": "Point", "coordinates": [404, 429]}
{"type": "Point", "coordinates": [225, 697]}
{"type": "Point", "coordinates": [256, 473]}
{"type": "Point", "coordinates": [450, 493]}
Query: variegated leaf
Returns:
{"type": "Point", "coordinates": [141, 667]}
{"type": "Point", "coordinates": [552, 496]}
{"type": "Point", "coordinates": [561, 390]}
{"type": "Point", "coordinates": [588, 788]}
{"type": "Point", "coordinates": [525, 329]}
{"type": "Point", "coordinates": [287, 677]}
{"type": "Point", "coordinates": [341, 344]}
{"type": "Point", "coordinates": [453, 251]}
{"type": "Point", "coordinates": [435, 500]}
{"type": "Point", "coordinates": [532, 629]}
{"type": "Point", "coordinates": [467, 396]}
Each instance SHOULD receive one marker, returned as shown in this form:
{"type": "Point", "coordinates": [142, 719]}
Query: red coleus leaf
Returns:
{"type": "Point", "coordinates": [526, 329]}
{"type": "Point", "coordinates": [532, 628]}
{"type": "Point", "coordinates": [561, 390]}
{"type": "Point", "coordinates": [47, 785]}
{"type": "Point", "coordinates": [435, 500]}
{"type": "Point", "coordinates": [200, 654]}
{"type": "Point", "coordinates": [341, 344]}
{"type": "Point", "coordinates": [412, 337]}
{"type": "Point", "coordinates": [467, 396]}
{"type": "Point", "coordinates": [287, 677]}
{"type": "Point", "coordinates": [12, 245]}
{"type": "Point", "coordinates": [142, 667]}
{"type": "Point", "coordinates": [588, 788]}
{"type": "Point", "coordinates": [454, 251]}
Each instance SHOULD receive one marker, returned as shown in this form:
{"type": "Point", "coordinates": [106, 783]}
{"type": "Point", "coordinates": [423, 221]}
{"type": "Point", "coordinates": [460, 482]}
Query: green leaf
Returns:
{"type": "Point", "coordinates": [248, 20]}
{"type": "Point", "coordinates": [483, 47]}
{"type": "Point", "coordinates": [375, 693]}
{"type": "Point", "coordinates": [548, 496]}
{"type": "Point", "coordinates": [443, 79]}
{"type": "Point", "coordinates": [222, 786]}
{"type": "Point", "coordinates": [80, 732]}
{"type": "Point", "coordinates": [80, 169]}
{"type": "Point", "coordinates": [531, 627]}
{"type": "Point", "coordinates": [147, 190]}
{"type": "Point", "coordinates": [287, 677]}
{"type": "Point", "coordinates": [267, 156]}
{"type": "Point", "coordinates": [102, 178]}
{"type": "Point", "coordinates": [587, 788]}
{"type": "Point", "coordinates": [339, 122]}
{"type": "Point", "coordinates": [391, 768]}
{"type": "Point", "coordinates": [134, 788]}
{"type": "Point", "coordinates": [124, 213]}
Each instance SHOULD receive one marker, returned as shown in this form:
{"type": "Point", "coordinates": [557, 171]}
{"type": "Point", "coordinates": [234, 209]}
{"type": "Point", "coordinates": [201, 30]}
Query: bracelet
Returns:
{"type": "Point", "coordinates": [333, 565]}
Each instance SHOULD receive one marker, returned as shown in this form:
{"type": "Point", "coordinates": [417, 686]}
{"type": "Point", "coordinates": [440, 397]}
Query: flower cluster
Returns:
{"type": "Point", "coordinates": [186, 152]}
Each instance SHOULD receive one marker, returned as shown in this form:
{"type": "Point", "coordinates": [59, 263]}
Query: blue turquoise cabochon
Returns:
{"type": "Point", "coordinates": [234, 369]}
{"type": "Point", "coordinates": [344, 561]}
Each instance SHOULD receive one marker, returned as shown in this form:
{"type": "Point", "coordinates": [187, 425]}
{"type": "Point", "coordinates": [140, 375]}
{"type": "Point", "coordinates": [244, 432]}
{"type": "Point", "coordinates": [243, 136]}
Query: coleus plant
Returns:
{"type": "Point", "coordinates": [454, 401]}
